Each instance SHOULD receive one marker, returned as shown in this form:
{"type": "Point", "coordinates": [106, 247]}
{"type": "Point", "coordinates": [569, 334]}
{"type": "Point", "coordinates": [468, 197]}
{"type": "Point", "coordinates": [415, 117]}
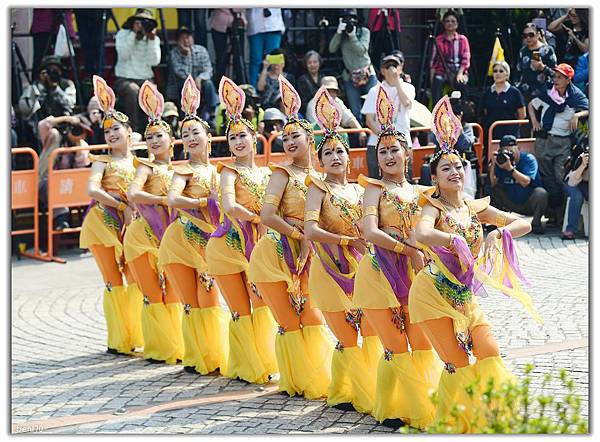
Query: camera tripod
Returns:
{"type": "Point", "coordinates": [430, 43]}
{"type": "Point", "coordinates": [62, 20]}
{"type": "Point", "coordinates": [18, 67]}
{"type": "Point", "coordinates": [385, 40]}
{"type": "Point", "coordinates": [235, 56]}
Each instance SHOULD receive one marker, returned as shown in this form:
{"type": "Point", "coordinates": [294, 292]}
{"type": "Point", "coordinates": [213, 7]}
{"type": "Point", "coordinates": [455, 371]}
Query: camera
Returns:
{"type": "Point", "coordinates": [53, 74]}
{"type": "Point", "coordinates": [350, 24]}
{"type": "Point", "coordinates": [503, 156]}
{"type": "Point", "coordinates": [579, 160]}
{"type": "Point", "coordinates": [148, 25]}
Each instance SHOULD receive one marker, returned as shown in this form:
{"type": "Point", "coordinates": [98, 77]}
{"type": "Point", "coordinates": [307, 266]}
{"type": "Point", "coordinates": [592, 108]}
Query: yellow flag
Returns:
{"type": "Point", "coordinates": [497, 55]}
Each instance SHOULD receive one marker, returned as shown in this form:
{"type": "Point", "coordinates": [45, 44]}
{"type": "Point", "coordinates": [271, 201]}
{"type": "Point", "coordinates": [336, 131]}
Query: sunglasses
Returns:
{"type": "Point", "coordinates": [528, 34]}
{"type": "Point", "coordinates": [498, 71]}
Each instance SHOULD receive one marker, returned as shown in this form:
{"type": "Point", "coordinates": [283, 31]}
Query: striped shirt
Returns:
{"type": "Point", "coordinates": [455, 51]}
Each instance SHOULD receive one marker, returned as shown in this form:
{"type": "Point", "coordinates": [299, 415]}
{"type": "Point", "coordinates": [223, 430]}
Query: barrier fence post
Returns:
{"type": "Point", "coordinates": [24, 192]}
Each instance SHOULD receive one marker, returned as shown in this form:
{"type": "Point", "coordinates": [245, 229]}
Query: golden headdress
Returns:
{"type": "Point", "coordinates": [385, 112]}
{"type": "Point", "coordinates": [329, 117]}
{"type": "Point", "coordinates": [292, 103]}
{"type": "Point", "coordinates": [106, 98]}
{"type": "Point", "coordinates": [234, 100]}
{"type": "Point", "coordinates": [446, 127]}
{"type": "Point", "coordinates": [152, 103]}
{"type": "Point", "coordinates": [190, 102]}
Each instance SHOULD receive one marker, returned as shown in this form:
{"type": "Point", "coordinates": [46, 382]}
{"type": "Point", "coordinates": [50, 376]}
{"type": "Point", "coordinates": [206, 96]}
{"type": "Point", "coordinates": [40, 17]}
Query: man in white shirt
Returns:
{"type": "Point", "coordinates": [138, 49]}
{"type": "Point", "coordinates": [349, 121]}
{"type": "Point", "coordinates": [402, 95]}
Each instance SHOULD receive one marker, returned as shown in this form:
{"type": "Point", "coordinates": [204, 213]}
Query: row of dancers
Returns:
{"type": "Point", "coordinates": [391, 269]}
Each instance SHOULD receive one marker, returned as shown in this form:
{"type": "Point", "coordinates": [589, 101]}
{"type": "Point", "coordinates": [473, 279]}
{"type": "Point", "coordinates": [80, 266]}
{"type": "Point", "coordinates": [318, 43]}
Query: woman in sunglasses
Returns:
{"type": "Point", "coordinates": [536, 60]}
{"type": "Point", "coordinates": [503, 101]}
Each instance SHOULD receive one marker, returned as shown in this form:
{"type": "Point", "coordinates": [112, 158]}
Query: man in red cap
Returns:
{"type": "Point", "coordinates": [562, 105]}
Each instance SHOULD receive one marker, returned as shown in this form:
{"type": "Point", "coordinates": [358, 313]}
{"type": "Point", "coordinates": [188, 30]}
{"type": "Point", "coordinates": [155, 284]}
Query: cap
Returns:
{"type": "Point", "coordinates": [508, 140]}
{"type": "Point", "coordinates": [142, 14]}
{"type": "Point", "coordinates": [49, 60]}
{"type": "Point", "coordinates": [273, 113]}
{"type": "Point", "coordinates": [392, 58]}
{"type": "Point", "coordinates": [170, 110]}
{"type": "Point", "coordinates": [182, 30]}
{"type": "Point", "coordinates": [566, 70]}
{"type": "Point", "coordinates": [249, 90]}
{"type": "Point", "coordinates": [330, 82]}
{"type": "Point", "coordinates": [350, 11]}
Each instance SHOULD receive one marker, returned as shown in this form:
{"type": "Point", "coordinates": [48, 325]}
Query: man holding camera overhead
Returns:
{"type": "Point", "coordinates": [359, 74]}
{"type": "Point", "coordinates": [516, 183]}
{"type": "Point", "coordinates": [138, 49]}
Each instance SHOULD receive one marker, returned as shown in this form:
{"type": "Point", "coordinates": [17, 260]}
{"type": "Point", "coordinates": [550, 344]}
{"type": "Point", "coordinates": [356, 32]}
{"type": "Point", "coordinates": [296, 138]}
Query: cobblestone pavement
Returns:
{"type": "Point", "coordinates": [64, 382]}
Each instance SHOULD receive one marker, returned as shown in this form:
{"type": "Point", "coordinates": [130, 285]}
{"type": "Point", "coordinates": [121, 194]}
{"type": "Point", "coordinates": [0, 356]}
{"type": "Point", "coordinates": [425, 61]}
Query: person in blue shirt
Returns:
{"type": "Point", "coordinates": [516, 183]}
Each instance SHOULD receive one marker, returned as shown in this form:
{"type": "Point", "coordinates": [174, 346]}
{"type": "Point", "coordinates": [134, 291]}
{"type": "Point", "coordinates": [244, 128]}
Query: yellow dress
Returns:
{"type": "Point", "coordinates": [304, 355]}
{"type": "Point", "coordinates": [404, 380]}
{"type": "Point", "coordinates": [204, 329]}
{"type": "Point", "coordinates": [161, 323]}
{"type": "Point", "coordinates": [251, 338]}
{"type": "Point", "coordinates": [103, 226]}
{"type": "Point", "coordinates": [330, 283]}
{"type": "Point", "coordinates": [427, 302]}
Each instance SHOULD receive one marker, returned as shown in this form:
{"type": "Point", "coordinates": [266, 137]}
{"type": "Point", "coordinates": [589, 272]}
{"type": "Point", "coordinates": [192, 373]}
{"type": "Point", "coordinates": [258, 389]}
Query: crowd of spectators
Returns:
{"type": "Point", "coordinates": [549, 86]}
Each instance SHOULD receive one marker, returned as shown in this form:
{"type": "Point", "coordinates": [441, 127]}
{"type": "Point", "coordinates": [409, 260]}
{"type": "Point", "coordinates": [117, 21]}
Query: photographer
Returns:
{"type": "Point", "coordinates": [55, 132]}
{"type": "Point", "coordinates": [186, 59]}
{"type": "Point", "coordinates": [138, 49]}
{"type": "Point", "coordinates": [561, 106]}
{"type": "Point", "coordinates": [576, 187]}
{"type": "Point", "coordinates": [402, 95]}
{"type": "Point", "coordinates": [516, 183]}
{"type": "Point", "coordinates": [450, 59]}
{"type": "Point", "coordinates": [268, 81]}
{"type": "Point", "coordinates": [359, 74]}
{"type": "Point", "coordinates": [50, 95]}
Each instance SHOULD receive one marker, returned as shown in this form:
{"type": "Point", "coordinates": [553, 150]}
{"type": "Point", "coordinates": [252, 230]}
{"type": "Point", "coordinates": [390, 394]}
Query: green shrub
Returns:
{"type": "Point", "coordinates": [512, 409]}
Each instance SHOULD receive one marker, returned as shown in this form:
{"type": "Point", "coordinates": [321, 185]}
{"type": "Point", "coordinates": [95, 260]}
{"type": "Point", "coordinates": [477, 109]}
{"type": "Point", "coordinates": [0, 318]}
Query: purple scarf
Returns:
{"type": "Point", "coordinates": [345, 283]}
{"type": "Point", "coordinates": [213, 212]}
{"type": "Point", "coordinates": [247, 229]}
{"type": "Point", "coordinates": [158, 217]}
{"type": "Point", "coordinates": [395, 268]}
{"type": "Point", "coordinates": [452, 262]}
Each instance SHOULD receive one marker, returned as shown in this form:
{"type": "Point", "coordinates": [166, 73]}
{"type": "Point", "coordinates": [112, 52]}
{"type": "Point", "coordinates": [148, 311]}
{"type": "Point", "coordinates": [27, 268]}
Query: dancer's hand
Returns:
{"type": "Point", "coordinates": [128, 215]}
{"type": "Point", "coordinates": [417, 259]}
{"type": "Point", "coordinates": [359, 244]}
{"type": "Point", "coordinates": [491, 243]}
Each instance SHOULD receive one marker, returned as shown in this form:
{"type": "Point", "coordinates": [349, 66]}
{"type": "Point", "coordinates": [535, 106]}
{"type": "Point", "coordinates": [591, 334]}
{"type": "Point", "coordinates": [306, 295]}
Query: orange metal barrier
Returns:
{"type": "Point", "coordinates": [525, 144]}
{"type": "Point", "coordinates": [478, 145]}
{"type": "Point", "coordinates": [24, 195]}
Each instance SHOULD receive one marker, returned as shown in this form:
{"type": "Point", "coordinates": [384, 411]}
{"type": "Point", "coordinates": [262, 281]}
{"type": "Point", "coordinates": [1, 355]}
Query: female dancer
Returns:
{"type": "Point", "coordinates": [390, 208]}
{"type": "Point", "coordinates": [161, 314]}
{"type": "Point", "coordinates": [252, 328]}
{"type": "Point", "coordinates": [181, 252]}
{"type": "Point", "coordinates": [331, 217]}
{"type": "Point", "coordinates": [104, 223]}
{"type": "Point", "coordinates": [280, 261]}
{"type": "Point", "coordinates": [441, 297]}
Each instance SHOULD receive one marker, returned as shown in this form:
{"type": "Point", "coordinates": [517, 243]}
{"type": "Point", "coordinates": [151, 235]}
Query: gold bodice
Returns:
{"type": "Point", "coordinates": [338, 214]}
{"type": "Point", "coordinates": [393, 210]}
{"type": "Point", "coordinates": [200, 179]}
{"type": "Point", "coordinates": [250, 185]}
{"type": "Point", "coordinates": [472, 231]}
{"type": "Point", "coordinates": [159, 182]}
{"type": "Point", "coordinates": [117, 174]}
{"type": "Point", "coordinates": [294, 195]}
